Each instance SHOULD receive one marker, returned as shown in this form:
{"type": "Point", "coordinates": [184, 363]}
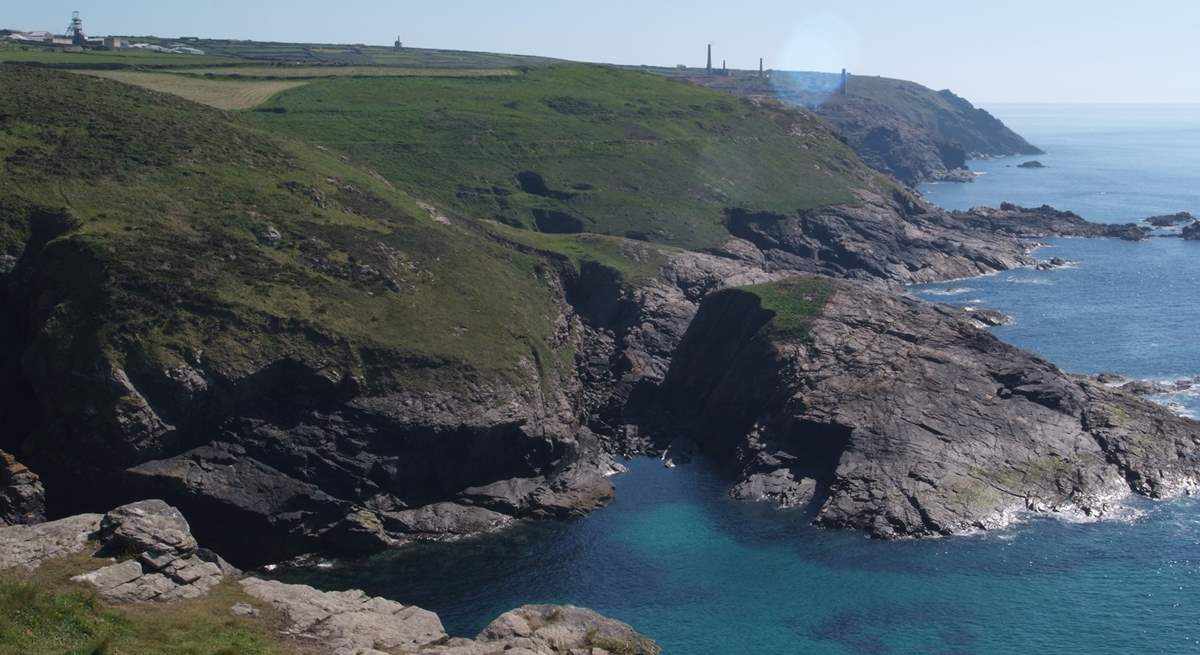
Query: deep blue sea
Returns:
{"type": "Point", "coordinates": [705, 575]}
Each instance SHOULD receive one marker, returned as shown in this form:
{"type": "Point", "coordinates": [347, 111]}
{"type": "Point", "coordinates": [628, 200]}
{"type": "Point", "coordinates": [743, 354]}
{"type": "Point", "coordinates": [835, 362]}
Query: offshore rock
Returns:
{"type": "Point", "coordinates": [1191, 232]}
{"type": "Point", "coordinates": [1045, 221]}
{"type": "Point", "coordinates": [22, 497]}
{"type": "Point", "coordinates": [906, 418]}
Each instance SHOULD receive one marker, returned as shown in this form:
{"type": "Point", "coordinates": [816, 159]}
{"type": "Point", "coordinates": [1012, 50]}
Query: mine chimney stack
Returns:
{"type": "Point", "coordinates": [708, 66]}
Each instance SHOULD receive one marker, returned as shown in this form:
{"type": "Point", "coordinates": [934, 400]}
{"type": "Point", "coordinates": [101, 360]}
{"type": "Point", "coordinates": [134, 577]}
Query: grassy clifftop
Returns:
{"type": "Point", "coordinates": [175, 231]}
{"type": "Point", "coordinates": [578, 148]}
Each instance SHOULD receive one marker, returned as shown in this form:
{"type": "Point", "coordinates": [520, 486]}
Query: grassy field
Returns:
{"type": "Point", "coordinates": [219, 93]}
{"type": "Point", "coordinates": [348, 71]}
{"type": "Point", "coordinates": [578, 149]}
{"type": "Point", "coordinates": [156, 205]}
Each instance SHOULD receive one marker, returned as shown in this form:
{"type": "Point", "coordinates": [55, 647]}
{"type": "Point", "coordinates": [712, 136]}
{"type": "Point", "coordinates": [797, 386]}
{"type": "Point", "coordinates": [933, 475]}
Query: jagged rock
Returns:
{"type": "Point", "coordinates": [147, 527]}
{"type": "Point", "coordinates": [348, 621]}
{"type": "Point", "coordinates": [1052, 263]}
{"type": "Point", "coordinates": [22, 497]}
{"type": "Point", "coordinates": [1146, 387]}
{"type": "Point", "coordinates": [270, 236]}
{"type": "Point", "coordinates": [1191, 232]}
{"type": "Point", "coordinates": [27, 546]}
{"type": "Point", "coordinates": [166, 563]}
{"type": "Point", "coordinates": [1045, 221]}
{"type": "Point", "coordinates": [444, 520]}
{"type": "Point", "coordinates": [1170, 220]}
{"type": "Point", "coordinates": [911, 419]}
{"type": "Point", "coordinates": [359, 533]}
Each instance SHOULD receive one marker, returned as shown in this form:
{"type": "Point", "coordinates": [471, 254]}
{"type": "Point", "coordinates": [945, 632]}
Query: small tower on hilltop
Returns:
{"type": "Point", "coordinates": [708, 66]}
{"type": "Point", "coordinates": [760, 67]}
{"type": "Point", "coordinates": [75, 30]}
{"type": "Point", "coordinates": [845, 79]}
{"type": "Point", "coordinates": [399, 44]}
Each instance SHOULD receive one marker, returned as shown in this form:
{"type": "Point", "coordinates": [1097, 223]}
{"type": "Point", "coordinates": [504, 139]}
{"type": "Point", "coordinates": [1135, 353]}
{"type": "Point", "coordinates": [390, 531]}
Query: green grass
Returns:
{"type": "Point", "coordinates": [306, 72]}
{"type": "Point", "coordinates": [621, 153]}
{"type": "Point", "coordinates": [795, 302]}
{"type": "Point", "coordinates": [45, 613]}
{"type": "Point", "coordinates": [159, 202]}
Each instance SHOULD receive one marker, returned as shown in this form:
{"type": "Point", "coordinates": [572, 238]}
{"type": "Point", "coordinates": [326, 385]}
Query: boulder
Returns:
{"type": "Point", "coordinates": [165, 563]}
{"type": "Point", "coordinates": [22, 498]}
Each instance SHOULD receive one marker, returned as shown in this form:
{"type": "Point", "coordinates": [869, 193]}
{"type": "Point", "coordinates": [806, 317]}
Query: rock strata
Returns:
{"type": "Point", "coordinates": [904, 418]}
{"type": "Point", "coordinates": [22, 497]}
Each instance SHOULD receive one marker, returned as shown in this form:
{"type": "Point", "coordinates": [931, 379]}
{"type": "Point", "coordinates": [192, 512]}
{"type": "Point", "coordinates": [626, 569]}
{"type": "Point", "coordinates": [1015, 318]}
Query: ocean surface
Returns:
{"type": "Point", "coordinates": [705, 575]}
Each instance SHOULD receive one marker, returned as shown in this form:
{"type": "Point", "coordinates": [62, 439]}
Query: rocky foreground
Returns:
{"type": "Point", "coordinates": [899, 417]}
{"type": "Point", "coordinates": [145, 553]}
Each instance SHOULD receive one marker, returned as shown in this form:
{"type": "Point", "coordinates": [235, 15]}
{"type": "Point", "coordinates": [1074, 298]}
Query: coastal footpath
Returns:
{"type": "Point", "coordinates": [140, 557]}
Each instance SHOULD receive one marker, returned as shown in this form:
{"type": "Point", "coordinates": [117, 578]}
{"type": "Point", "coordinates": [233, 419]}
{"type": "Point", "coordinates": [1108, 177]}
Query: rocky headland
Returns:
{"type": "Point", "coordinates": [898, 127]}
{"type": "Point", "coordinates": [145, 553]}
{"type": "Point", "coordinates": [884, 413]}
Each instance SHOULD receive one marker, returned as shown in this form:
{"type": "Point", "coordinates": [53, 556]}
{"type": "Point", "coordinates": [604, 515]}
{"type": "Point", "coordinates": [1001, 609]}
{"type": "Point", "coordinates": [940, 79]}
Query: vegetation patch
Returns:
{"type": "Point", "coordinates": [346, 71]}
{"type": "Point", "coordinates": [795, 302]}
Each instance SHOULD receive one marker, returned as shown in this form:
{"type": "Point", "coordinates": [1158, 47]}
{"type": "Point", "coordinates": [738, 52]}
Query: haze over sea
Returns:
{"type": "Point", "coordinates": [705, 575]}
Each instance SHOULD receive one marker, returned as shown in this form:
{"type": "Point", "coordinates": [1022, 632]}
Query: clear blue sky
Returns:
{"type": "Point", "coordinates": [995, 51]}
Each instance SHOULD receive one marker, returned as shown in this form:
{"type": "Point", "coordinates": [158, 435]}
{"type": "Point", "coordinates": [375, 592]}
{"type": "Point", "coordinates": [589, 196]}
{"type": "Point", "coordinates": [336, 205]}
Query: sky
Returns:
{"type": "Point", "coordinates": [990, 52]}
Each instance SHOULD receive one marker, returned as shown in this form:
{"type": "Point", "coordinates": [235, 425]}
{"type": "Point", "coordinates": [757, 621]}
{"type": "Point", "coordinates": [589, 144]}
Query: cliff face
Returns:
{"type": "Point", "coordinates": [898, 127]}
{"type": "Point", "coordinates": [884, 413]}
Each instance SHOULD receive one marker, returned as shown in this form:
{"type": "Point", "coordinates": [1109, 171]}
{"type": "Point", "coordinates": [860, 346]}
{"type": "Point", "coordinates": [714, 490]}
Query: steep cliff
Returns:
{"type": "Point", "coordinates": [898, 127]}
{"type": "Point", "coordinates": [884, 413]}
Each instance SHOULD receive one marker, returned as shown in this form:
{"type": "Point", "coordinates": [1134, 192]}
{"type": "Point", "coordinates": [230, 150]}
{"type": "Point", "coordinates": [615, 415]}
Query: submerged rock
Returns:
{"type": "Point", "coordinates": [907, 416]}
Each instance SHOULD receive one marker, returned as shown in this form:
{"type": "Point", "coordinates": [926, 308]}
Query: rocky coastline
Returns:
{"type": "Point", "coordinates": [145, 553]}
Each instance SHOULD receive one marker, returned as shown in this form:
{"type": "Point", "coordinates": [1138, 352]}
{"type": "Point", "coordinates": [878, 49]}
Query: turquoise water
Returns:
{"type": "Point", "coordinates": [705, 575]}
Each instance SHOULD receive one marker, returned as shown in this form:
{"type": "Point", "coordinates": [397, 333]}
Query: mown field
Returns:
{"type": "Point", "coordinates": [220, 93]}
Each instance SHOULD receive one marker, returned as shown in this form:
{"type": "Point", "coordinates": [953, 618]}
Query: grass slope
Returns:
{"type": "Point", "coordinates": [155, 205]}
{"type": "Point", "coordinates": [578, 148]}
{"type": "Point", "coordinates": [44, 613]}
{"type": "Point", "coordinates": [795, 302]}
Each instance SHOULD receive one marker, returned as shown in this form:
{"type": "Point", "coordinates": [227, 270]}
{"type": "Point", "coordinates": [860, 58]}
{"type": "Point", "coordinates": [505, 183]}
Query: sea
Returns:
{"type": "Point", "coordinates": [705, 575]}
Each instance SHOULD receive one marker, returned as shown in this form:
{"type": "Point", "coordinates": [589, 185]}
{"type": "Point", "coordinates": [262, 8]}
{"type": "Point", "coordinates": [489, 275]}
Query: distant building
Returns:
{"type": "Point", "coordinates": [113, 42]}
{"type": "Point", "coordinates": [399, 44]}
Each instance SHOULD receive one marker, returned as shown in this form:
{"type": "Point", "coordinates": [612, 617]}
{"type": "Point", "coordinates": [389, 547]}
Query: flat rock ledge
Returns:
{"type": "Point", "coordinates": [160, 561]}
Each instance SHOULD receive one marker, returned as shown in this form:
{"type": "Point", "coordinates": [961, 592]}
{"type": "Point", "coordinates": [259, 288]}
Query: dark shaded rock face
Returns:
{"type": "Point", "coordinates": [1045, 221]}
{"type": "Point", "coordinates": [901, 417]}
{"type": "Point", "coordinates": [1191, 232]}
{"type": "Point", "coordinates": [22, 498]}
{"type": "Point", "coordinates": [1170, 220]}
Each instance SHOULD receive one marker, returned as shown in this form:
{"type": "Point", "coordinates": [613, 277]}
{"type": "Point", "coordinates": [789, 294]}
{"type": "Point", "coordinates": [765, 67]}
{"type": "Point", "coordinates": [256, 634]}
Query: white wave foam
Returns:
{"type": "Point", "coordinates": [952, 291]}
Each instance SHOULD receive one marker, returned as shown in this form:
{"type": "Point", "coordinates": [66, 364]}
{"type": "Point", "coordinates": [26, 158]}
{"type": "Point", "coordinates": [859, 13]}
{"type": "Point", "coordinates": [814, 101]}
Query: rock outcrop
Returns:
{"type": "Point", "coordinates": [898, 417]}
{"type": "Point", "coordinates": [1170, 220]}
{"type": "Point", "coordinates": [1031, 164]}
{"type": "Point", "coordinates": [22, 497]}
{"type": "Point", "coordinates": [162, 562]}
{"type": "Point", "coordinates": [352, 623]}
{"type": "Point", "coordinates": [1191, 232]}
{"type": "Point", "coordinates": [1045, 221]}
